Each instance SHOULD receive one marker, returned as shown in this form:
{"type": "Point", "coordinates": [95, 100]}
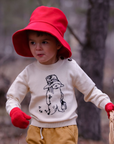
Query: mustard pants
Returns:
{"type": "Point", "coordinates": [61, 135]}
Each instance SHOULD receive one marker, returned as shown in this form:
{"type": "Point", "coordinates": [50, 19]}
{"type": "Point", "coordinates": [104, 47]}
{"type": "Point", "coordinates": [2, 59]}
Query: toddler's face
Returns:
{"type": "Point", "coordinates": [43, 47]}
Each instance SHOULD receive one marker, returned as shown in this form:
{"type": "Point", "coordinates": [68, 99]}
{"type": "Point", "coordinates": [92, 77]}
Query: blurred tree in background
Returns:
{"type": "Point", "coordinates": [92, 62]}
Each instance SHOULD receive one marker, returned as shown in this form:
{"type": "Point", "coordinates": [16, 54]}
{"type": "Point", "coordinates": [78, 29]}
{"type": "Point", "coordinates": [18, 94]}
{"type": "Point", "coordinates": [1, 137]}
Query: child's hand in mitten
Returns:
{"type": "Point", "coordinates": [108, 108]}
{"type": "Point", "coordinates": [19, 118]}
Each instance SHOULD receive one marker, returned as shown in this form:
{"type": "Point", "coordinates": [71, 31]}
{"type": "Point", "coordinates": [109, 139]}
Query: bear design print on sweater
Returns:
{"type": "Point", "coordinates": [54, 95]}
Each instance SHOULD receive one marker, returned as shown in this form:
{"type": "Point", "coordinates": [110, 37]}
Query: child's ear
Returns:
{"type": "Point", "coordinates": [59, 45]}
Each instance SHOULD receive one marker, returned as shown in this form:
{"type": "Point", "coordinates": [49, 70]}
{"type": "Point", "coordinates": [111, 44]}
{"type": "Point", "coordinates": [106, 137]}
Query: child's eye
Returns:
{"type": "Point", "coordinates": [44, 42]}
{"type": "Point", "coordinates": [32, 42]}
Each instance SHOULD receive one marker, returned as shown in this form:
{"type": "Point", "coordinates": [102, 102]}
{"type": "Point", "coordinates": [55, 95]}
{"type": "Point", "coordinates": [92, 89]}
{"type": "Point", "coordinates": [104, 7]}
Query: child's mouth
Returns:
{"type": "Point", "coordinates": [40, 55]}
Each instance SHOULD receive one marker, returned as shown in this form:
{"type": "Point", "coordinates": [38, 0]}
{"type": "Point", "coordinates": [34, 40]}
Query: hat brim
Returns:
{"type": "Point", "coordinates": [54, 83]}
{"type": "Point", "coordinates": [20, 40]}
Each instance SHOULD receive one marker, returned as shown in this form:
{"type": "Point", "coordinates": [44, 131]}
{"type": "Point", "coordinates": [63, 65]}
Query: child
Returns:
{"type": "Point", "coordinates": [50, 80]}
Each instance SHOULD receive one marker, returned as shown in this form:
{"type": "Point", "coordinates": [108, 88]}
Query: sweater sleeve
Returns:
{"type": "Point", "coordinates": [86, 86]}
{"type": "Point", "coordinates": [17, 91]}
{"type": "Point", "coordinates": [97, 97]}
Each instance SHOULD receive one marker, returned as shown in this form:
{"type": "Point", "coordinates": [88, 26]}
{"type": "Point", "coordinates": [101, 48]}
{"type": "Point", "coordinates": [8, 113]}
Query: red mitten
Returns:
{"type": "Point", "coordinates": [108, 108]}
{"type": "Point", "coordinates": [19, 118]}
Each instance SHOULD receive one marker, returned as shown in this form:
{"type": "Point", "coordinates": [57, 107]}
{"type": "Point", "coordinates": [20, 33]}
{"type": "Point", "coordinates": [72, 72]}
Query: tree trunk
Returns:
{"type": "Point", "coordinates": [92, 62]}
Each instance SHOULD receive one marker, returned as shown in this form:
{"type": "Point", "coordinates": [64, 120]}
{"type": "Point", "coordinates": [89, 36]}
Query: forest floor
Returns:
{"type": "Point", "coordinates": [11, 135]}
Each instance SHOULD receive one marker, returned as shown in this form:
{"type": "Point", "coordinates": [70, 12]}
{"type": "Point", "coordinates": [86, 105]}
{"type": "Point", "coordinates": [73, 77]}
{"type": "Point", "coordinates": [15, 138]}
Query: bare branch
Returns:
{"type": "Point", "coordinates": [75, 36]}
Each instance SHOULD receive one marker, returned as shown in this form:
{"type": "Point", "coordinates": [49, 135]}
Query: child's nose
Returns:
{"type": "Point", "coordinates": [38, 47]}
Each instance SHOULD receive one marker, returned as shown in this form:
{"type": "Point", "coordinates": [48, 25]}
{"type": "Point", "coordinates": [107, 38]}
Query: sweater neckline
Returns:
{"type": "Point", "coordinates": [51, 66]}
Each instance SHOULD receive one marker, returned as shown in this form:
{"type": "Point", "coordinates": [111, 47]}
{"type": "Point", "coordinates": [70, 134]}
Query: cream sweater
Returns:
{"type": "Point", "coordinates": [53, 101]}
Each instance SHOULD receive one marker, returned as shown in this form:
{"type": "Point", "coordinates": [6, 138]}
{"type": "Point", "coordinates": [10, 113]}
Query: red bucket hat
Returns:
{"type": "Point", "coordinates": [45, 19]}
